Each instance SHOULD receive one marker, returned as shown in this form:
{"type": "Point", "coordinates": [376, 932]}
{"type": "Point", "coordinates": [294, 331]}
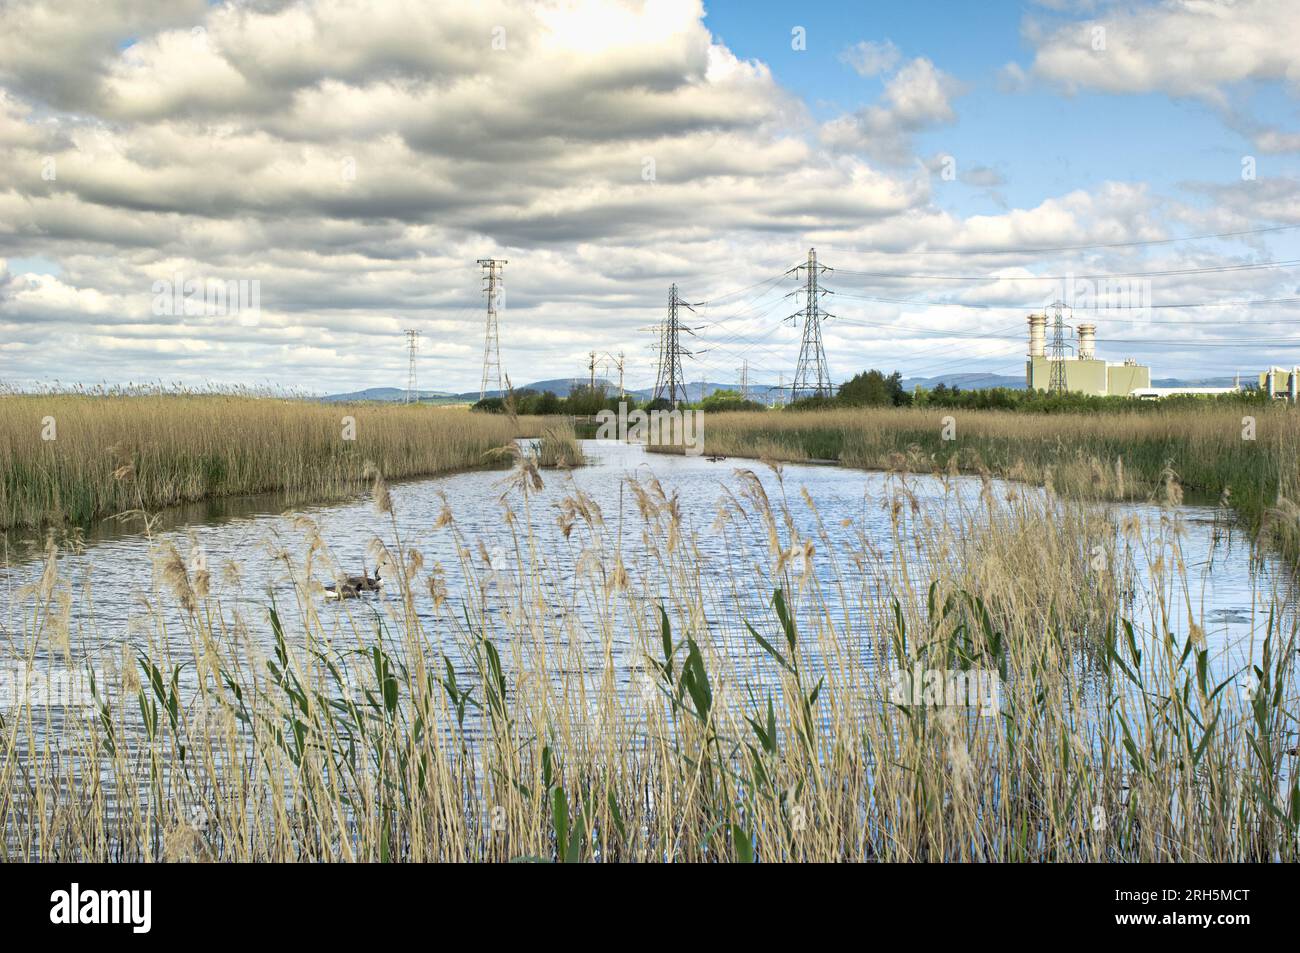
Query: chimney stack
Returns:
{"type": "Point", "coordinates": [1037, 335]}
{"type": "Point", "coordinates": [1087, 342]}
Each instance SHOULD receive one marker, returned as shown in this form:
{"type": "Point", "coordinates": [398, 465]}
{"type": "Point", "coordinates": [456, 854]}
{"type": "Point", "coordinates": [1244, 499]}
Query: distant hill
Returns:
{"type": "Point", "coordinates": [561, 386]}
{"type": "Point", "coordinates": [965, 381]}
{"type": "Point", "coordinates": [389, 394]}
{"type": "Point", "coordinates": [1201, 382]}
{"type": "Point", "coordinates": [981, 381]}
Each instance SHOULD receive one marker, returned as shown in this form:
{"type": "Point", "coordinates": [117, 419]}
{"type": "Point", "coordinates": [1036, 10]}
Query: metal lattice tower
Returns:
{"type": "Point", "coordinates": [412, 345]}
{"type": "Point", "coordinates": [494, 287]}
{"type": "Point", "coordinates": [670, 381]}
{"type": "Point", "coordinates": [811, 374]}
{"type": "Point", "coordinates": [1056, 356]}
{"type": "Point", "coordinates": [744, 379]}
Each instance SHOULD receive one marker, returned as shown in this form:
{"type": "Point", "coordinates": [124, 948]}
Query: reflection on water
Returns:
{"type": "Point", "coordinates": [114, 576]}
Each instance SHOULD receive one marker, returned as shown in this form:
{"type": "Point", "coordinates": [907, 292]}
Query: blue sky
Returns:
{"type": "Point", "coordinates": [1041, 140]}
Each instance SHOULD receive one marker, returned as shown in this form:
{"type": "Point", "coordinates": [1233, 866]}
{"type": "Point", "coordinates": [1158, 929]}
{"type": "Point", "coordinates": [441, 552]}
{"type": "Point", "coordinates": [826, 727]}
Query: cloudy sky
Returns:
{"type": "Point", "coordinates": [957, 165]}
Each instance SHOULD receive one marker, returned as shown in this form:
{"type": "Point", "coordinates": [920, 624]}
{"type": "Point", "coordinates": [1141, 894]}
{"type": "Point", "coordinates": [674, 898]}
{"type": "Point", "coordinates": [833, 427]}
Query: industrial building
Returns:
{"type": "Point", "coordinates": [1085, 373]}
{"type": "Point", "coordinates": [1281, 382]}
{"type": "Point", "coordinates": [1156, 393]}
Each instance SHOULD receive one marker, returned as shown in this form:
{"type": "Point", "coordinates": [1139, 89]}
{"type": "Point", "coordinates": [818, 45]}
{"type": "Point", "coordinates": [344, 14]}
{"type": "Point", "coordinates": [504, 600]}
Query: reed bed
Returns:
{"type": "Point", "coordinates": [1109, 456]}
{"type": "Point", "coordinates": [646, 710]}
{"type": "Point", "coordinates": [61, 455]}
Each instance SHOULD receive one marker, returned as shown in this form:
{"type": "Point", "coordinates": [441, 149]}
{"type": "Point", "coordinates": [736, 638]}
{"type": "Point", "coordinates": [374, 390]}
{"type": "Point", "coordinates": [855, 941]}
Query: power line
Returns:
{"type": "Point", "coordinates": [1171, 343]}
{"type": "Point", "coordinates": [716, 298]}
{"type": "Point", "coordinates": [1029, 250]}
{"type": "Point", "coordinates": [1218, 269]}
{"type": "Point", "coordinates": [945, 332]}
{"type": "Point", "coordinates": [1242, 303]}
{"type": "Point", "coordinates": [1083, 247]}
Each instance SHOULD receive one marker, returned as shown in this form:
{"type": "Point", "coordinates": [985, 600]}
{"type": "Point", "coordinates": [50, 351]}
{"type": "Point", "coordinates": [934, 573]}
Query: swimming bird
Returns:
{"type": "Point", "coordinates": [365, 582]}
{"type": "Point", "coordinates": [344, 591]}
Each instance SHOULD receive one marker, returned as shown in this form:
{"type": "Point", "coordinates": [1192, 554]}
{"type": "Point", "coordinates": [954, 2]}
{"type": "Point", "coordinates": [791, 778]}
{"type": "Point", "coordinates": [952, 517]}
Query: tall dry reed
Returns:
{"type": "Point", "coordinates": [644, 709]}
{"type": "Point", "coordinates": [64, 457]}
{"type": "Point", "coordinates": [1248, 456]}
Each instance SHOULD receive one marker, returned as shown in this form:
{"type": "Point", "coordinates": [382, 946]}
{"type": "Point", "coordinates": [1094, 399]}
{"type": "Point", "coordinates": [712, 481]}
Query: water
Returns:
{"type": "Point", "coordinates": [556, 597]}
{"type": "Point", "coordinates": [114, 597]}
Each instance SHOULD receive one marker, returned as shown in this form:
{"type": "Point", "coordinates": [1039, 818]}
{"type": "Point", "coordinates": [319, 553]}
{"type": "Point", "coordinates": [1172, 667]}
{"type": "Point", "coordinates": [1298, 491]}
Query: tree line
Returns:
{"type": "Point", "coordinates": [870, 388]}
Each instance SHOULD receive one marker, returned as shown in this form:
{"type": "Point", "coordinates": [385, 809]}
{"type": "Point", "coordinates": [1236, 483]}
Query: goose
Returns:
{"type": "Point", "coordinates": [345, 591]}
{"type": "Point", "coordinates": [364, 582]}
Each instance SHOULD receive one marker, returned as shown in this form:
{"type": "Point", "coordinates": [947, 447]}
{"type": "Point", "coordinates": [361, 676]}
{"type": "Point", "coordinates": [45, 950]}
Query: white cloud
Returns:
{"type": "Point", "coordinates": [1277, 141]}
{"type": "Point", "coordinates": [916, 97]}
{"type": "Point", "coordinates": [871, 58]}
{"type": "Point", "coordinates": [1182, 47]}
{"type": "Point", "coordinates": [1207, 50]}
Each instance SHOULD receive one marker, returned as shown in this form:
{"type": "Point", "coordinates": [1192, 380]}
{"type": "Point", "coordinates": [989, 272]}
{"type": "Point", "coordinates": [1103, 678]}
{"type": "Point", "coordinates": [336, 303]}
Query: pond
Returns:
{"type": "Point", "coordinates": [114, 583]}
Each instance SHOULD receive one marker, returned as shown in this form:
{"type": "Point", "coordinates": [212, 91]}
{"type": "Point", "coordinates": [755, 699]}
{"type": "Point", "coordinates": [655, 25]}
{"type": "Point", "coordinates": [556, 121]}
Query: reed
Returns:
{"type": "Point", "coordinates": [752, 726]}
{"type": "Point", "coordinates": [1129, 455]}
{"type": "Point", "coordinates": [61, 455]}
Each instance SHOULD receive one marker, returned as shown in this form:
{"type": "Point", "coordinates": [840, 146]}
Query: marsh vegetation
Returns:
{"type": "Point", "coordinates": [69, 459]}
{"type": "Point", "coordinates": [646, 707]}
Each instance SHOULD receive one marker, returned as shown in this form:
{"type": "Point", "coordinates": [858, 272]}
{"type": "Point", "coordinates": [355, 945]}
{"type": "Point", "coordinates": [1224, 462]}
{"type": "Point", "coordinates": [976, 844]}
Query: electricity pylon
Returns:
{"type": "Point", "coordinates": [811, 374]}
{"type": "Point", "coordinates": [494, 286]}
{"type": "Point", "coordinates": [618, 361]}
{"type": "Point", "coordinates": [744, 379]}
{"type": "Point", "coordinates": [670, 382]}
{"type": "Point", "coordinates": [1056, 356]}
{"type": "Point", "coordinates": [412, 345]}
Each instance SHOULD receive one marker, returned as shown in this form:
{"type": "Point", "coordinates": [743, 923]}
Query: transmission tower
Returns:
{"type": "Point", "coordinates": [494, 286]}
{"type": "Point", "coordinates": [670, 384]}
{"type": "Point", "coordinates": [412, 345]}
{"type": "Point", "coordinates": [811, 375]}
{"type": "Point", "coordinates": [744, 379]}
{"type": "Point", "coordinates": [1056, 382]}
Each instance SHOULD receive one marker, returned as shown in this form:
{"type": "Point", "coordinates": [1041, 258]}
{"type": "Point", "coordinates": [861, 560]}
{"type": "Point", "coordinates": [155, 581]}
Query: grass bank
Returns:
{"type": "Point", "coordinates": [71, 459]}
{"type": "Point", "coordinates": [1112, 456]}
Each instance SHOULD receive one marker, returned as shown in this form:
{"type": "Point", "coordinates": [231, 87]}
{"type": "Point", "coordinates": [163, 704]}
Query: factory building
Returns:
{"type": "Point", "coordinates": [1281, 382]}
{"type": "Point", "coordinates": [1084, 372]}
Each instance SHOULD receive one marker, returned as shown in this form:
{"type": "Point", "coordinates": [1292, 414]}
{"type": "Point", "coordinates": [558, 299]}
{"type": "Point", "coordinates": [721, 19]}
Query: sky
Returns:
{"type": "Point", "coordinates": [336, 168]}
